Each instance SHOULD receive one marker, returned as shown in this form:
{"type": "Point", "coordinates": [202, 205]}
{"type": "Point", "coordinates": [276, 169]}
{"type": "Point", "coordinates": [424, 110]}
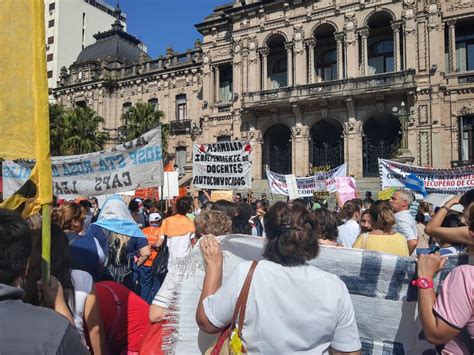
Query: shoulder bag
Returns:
{"type": "Point", "coordinates": [159, 266]}
{"type": "Point", "coordinates": [229, 341]}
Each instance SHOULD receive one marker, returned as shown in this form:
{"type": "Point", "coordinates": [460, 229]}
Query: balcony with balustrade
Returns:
{"type": "Point", "coordinates": [180, 127]}
{"type": "Point", "coordinates": [363, 86]}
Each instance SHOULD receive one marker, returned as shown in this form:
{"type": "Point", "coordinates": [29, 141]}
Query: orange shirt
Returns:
{"type": "Point", "coordinates": [177, 226]}
{"type": "Point", "coordinates": [153, 235]}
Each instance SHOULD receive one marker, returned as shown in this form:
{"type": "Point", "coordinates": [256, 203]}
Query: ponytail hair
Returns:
{"type": "Point", "coordinates": [292, 235]}
{"type": "Point", "coordinates": [383, 217]}
{"type": "Point", "coordinates": [66, 213]}
{"type": "Point", "coordinates": [349, 210]}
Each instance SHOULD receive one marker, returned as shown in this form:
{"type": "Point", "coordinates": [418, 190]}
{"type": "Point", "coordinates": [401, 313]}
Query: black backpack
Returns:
{"type": "Point", "coordinates": [159, 267]}
{"type": "Point", "coordinates": [118, 262]}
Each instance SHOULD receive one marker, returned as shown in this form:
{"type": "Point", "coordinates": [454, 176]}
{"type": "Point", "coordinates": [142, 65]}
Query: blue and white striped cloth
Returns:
{"type": "Point", "coordinates": [115, 217]}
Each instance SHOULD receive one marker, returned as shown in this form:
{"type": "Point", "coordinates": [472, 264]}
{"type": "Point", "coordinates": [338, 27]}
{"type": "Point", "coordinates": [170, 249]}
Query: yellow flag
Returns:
{"type": "Point", "coordinates": [24, 118]}
{"type": "Point", "coordinates": [387, 193]}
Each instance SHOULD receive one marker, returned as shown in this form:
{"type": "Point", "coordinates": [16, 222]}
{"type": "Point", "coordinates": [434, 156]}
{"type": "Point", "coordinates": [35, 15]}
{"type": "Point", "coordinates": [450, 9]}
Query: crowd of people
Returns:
{"type": "Point", "coordinates": [113, 271]}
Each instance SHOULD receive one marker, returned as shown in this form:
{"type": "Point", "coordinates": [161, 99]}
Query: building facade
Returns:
{"type": "Point", "coordinates": [70, 26]}
{"type": "Point", "coordinates": [310, 83]}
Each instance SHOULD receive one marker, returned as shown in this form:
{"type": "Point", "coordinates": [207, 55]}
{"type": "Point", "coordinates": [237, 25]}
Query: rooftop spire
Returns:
{"type": "Point", "coordinates": [117, 25]}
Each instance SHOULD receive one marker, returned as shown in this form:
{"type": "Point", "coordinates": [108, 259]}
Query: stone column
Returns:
{"type": "Point", "coordinates": [339, 37]}
{"type": "Point", "coordinates": [300, 150]}
{"type": "Point", "coordinates": [289, 53]}
{"type": "Point", "coordinates": [212, 85]}
{"type": "Point", "coordinates": [245, 69]}
{"type": "Point", "coordinates": [397, 65]}
{"type": "Point", "coordinates": [253, 67]}
{"type": "Point", "coordinates": [352, 134]}
{"type": "Point", "coordinates": [264, 72]}
{"type": "Point", "coordinates": [311, 44]}
{"type": "Point", "coordinates": [207, 80]}
{"type": "Point", "coordinates": [257, 158]}
{"type": "Point", "coordinates": [237, 73]}
{"type": "Point", "coordinates": [300, 63]}
{"type": "Point", "coordinates": [452, 45]}
{"type": "Point", "coordinates": [364, 35]}
{"type": "Point", "coordinates": [409, 40]}
{"type": "Point", "coordinates": [217, 74]}
{"type": "Point", "coordinates": [351, 53]}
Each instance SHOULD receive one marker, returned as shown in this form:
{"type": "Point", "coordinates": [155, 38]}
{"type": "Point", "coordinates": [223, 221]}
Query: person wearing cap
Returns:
{"type": "Point", "coordinates": [149, 283]}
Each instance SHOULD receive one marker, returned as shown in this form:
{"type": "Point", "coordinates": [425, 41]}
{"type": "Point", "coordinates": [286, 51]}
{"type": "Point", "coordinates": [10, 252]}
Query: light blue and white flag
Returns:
{"type": "Point", "coordinates": [414, 183]}
{"type": "Point", "coordinates": [115, 217]}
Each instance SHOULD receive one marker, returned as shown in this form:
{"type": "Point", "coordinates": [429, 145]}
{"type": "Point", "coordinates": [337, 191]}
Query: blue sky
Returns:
{"type": "Point", "coordinates": [160, 23]}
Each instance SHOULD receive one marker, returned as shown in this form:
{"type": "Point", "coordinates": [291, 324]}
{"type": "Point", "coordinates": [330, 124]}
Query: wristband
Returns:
{"type": "Point", "coordinates": [423, 283]}
{"type": "Point", "coordinates": [446, 208]}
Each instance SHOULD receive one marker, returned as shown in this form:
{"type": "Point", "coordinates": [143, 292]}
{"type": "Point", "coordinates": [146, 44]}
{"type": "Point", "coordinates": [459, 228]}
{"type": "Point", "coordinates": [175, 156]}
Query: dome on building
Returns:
{"type": "Point", "coordinates": [114, 45]}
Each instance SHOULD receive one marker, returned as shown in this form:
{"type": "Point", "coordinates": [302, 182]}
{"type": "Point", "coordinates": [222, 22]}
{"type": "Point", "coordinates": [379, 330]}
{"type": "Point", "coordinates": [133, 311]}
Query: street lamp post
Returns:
{"type": "Point", "coordinates": [404, 154]}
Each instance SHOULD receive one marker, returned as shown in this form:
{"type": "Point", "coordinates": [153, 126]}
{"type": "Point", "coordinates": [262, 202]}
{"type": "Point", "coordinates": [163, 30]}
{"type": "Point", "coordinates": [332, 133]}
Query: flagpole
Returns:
{"type": "Point", "coordinates": [46, 243]}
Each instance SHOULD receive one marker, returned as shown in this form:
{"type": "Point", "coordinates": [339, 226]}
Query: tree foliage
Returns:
{"type": "Point", "coordinates": [75, 131]}
{"type": "Point", "coordinates": [140, 119]}
{"type": "Point", "coordinates": [56, 122]}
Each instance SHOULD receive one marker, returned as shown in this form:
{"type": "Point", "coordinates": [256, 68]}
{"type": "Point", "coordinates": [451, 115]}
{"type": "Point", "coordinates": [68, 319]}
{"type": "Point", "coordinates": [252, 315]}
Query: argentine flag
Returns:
{"type": "Point", "coordinates": [414, 183]}
{"type": "Point", "coordinates": [115, 217]}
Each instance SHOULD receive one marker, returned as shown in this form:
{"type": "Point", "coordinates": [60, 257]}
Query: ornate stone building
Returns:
{"type": "Point", "coordinates": [309, 82]}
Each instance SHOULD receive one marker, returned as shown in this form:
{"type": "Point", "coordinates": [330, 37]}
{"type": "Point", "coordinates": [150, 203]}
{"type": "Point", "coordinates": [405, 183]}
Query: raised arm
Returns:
{"type": "Point", "coordinates": [458, 235]}
{"type": "Point", "coordinates": [212, 254]}
{"type": "Point", "coordinates": [436, 330]}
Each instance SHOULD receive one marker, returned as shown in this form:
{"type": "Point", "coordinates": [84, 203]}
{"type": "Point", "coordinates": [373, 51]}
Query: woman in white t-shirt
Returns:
{"type": "Point", "coordinates": [292, 307]}
{"type": "Point", "coordinates": [78, 286]}
{"type": "Point", "coordinates": [350, 230]}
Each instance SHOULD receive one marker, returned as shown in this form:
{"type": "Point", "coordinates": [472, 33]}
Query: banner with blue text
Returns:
{"type": "Point", "coordinates": [131, 165]}
{"type": "Point", "coordinates": [455, 180]}
{"type": "Point", "coordinates": [385, 302]}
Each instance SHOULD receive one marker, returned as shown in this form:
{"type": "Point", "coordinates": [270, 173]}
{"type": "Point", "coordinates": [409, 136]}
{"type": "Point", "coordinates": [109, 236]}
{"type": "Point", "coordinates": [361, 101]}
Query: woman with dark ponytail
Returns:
{"type": "Point", "coordinates": [292, 306]}
{"type": "Point", "coordinates": [382, 238]}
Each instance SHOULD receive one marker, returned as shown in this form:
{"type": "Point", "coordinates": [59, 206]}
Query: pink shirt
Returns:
{"type": "Point", "coordinates": [455, 305]}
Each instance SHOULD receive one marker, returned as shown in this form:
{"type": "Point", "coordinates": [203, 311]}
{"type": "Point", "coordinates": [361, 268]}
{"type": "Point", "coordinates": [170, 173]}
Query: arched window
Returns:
{"type": "Point", "coordinates": [280, 66]}
{"type": "Point", "coordinates": [327, 65]}
{"type": "Point", "coordinates": [278, 72]}
{"type": "Point", "coordinates": [381, 56]}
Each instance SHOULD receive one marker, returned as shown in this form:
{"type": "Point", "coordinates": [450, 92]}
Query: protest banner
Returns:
{"type": "Point", "coordinates": [131, 165]}
{"type": "Point", "coordinates": [306, 185]}
{"type": "Point", "coordinates": [223, 165]}
{"type": "Point", "coordinates": [346, 188]}
{"type": "Point", "coordinates": [292, 186]}
{"type": "Point", "coordinates": [385, 302]}
{"type": "Point", "coordinates": [455, 180]}
{"type": "Point", "coordinates": [217, 195]}
{"type": "Point", "coordinates": [170, 185]}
